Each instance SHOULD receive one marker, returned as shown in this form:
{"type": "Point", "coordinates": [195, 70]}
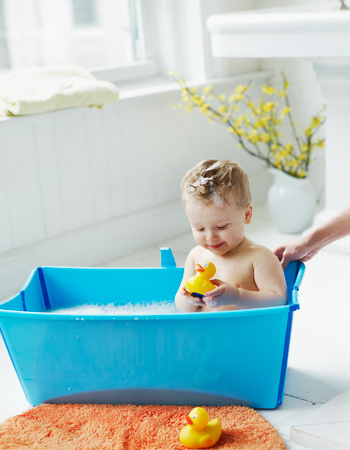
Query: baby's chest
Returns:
{"type": "Point", "coordinates": [239, 274]}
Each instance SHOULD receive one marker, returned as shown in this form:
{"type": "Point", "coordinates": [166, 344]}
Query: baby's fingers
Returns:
{"type": "Point", "coordinates": [215, 292]}
{"type": "Point", "coordinates": [195, 301]}
{"type": "Point", "coordinates": [213, 302]}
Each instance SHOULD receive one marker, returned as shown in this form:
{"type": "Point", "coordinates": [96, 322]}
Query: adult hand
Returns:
{"type": "Point", "coordinates": [300, 250]}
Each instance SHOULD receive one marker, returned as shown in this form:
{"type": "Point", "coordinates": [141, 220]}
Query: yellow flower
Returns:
{"type": "Point", "coordinates": [282, 94]}
{"type": "Point", "coordinates": [222, 109]}
{"type": "Point", "coordinates": [315, 122]}
{"type": "Point", "coordinates": [237, 121]}
{"type": "Point", "coordinates": [269, 90]}
{"type": "Point", "coordinates": [208, 88]}
{"type": "Point", "coordinates": [269, 105]}
{"type": "Point", "coordinates": [240, 131]}
{"type": "Point", "coordinates": [264, 137]}
{"type": "Point", "coordinates": [308, 132]}
{"type": "Point", "coordinates": [262, 121]}
{"type": "Point", "coordinates": [210, 117]}
{"type": "Point", "coordinates": [235, 98]}
{"type": "Point", "coordinates": [198, 101]}
{"type": "Point", "coordinates": [285, 111]}
{"type": "Point", "coordinates": [320, 143]}
{"type": "Point", "coordinates": [204, 107]}
{"type": "Point", "coordinates": [240, 88]}
{"type": "Point", "coordinates": [222, 97]}
{"type": "Point", "coordinates": [289, 148]}
{"type": "Point", "coordinates": [251, 135]}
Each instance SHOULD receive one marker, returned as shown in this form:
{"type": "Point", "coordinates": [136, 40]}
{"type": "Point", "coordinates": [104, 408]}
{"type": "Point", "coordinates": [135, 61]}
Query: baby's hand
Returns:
{"type": "Point", "coordinates": [196, 301]}
{"type": "Point", "coordinates": [224, 294]}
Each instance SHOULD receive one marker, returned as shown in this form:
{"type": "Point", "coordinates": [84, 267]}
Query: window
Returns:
{"type": "Point", "coordinates": [116, 40]}
{"type": "Point", "coordinates": [89, 33]}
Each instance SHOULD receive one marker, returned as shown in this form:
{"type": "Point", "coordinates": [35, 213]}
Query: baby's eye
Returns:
{"type": "Point", "coordinates": [200, 229]}
{"type": "Point", "coordinates": [222, 228]}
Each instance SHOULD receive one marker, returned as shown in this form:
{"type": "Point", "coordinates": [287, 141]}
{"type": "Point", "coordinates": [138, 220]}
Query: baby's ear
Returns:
{"type": "Point", "coordinates": [248, 214]}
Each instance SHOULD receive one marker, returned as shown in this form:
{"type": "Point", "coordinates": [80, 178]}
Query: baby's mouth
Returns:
{"type": "Point", "coordinates": [215, 247]}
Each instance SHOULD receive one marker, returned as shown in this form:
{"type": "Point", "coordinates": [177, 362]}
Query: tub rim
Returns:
{"type": "Point", "coordinates": [135, 317]}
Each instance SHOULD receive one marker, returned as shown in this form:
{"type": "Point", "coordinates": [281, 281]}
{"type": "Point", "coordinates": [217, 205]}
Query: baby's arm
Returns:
{"type": "Point", "coordinates": [269, 279]}
{"type": "Point", "coordinates": [184, 301]}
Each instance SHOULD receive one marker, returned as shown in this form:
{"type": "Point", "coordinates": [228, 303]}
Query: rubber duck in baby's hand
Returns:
{"type": "Point", "coordinates": [199, 284]}
{"type": "Point", "coordinates": [200, 433]}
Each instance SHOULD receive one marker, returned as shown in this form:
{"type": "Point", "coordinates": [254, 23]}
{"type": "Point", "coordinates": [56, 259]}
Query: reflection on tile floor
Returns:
{"type": "Point", "coordinates": [319, 358]}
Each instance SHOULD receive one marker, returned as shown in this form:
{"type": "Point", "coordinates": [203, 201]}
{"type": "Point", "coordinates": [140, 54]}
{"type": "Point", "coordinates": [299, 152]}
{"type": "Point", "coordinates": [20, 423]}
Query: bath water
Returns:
{"type": "Point", "coordinates": [91, 309]}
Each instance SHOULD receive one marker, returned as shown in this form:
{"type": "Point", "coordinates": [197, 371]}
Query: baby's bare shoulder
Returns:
{"type": "Point", "coordinates": [259, 252]}
{"type": "Point", "coordinates": [198, 253]}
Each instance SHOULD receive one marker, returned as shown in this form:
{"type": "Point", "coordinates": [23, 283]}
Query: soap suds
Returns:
{"type": "Point", "coordinates": [91, 309]}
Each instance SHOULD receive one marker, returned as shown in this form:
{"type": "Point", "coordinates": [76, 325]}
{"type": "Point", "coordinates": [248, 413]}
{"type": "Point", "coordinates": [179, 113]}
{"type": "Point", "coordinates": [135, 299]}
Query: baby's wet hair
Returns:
{"type": "Point", "coordinates": [213, 181]}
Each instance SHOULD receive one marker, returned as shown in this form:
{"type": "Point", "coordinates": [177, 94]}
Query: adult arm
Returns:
{"type": "Point", "coordinates": [306, 247]}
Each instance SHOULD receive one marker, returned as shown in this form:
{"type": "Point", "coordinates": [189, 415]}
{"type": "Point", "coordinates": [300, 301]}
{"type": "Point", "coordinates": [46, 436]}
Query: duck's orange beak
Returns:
{"type": "Point", "coordinates": [199, 268]}
{"type": "Point", "coordinates": [188, 420]}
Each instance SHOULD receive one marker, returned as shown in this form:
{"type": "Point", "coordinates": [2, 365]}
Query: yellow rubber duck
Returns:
{"type": "Point", "coordinates": [199, 284]}
{"type": "Point", "coordinates": [200, 433]}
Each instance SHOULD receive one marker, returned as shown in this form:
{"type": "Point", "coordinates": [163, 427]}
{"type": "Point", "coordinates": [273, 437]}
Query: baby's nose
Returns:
{"type": "Point", "coordinates": [211, 234]}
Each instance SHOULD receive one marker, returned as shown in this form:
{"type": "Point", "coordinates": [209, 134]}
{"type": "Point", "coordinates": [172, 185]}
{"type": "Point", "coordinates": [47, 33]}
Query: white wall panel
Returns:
{"type": "Point", "coordinates": [6, 240]}
{"type": "Point", "coordinates": [74, 169]}
{"type": "Point", "coordinates": [21, 175]}
{"type": "Point", "coordinates": [116, 165]}
{"type": "Point", "coordinates": [138, 128]}
{"type": "Point", "coordinates": [49, 178]}
{"type": "Point", "coordinates": [97, 155]}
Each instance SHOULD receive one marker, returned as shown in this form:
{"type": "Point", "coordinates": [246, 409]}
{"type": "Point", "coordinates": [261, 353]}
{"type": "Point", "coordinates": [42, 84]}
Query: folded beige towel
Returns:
{"type": "Point", "coordinates": [41, 89]}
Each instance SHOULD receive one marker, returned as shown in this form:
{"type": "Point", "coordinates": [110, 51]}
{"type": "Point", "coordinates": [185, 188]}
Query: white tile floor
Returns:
{"type": "Point", "coordinates": [319, 359]}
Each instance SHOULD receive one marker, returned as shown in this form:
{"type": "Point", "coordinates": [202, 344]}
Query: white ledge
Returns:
{"type": "Point", "coordinates": [282, 20]}
{"type": "Point", "coordinates": [296, 32]}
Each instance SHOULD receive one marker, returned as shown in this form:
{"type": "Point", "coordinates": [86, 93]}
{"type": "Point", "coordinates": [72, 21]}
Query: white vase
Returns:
{"type": "Point", "coordinates": [291, 202]}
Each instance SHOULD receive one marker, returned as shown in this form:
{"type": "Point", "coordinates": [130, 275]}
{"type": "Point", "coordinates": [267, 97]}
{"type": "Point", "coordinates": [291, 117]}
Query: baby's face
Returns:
{"type": "Point", "coordinates": [217, 228]}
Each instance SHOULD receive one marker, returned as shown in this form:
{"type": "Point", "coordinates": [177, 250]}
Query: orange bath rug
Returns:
{"type": "Point", "coordinates": [130, 427]}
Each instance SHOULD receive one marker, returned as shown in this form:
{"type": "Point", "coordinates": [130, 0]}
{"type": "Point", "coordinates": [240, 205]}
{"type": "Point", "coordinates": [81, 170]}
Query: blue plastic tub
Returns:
{"type": "Point", "coordinates": [221, 358]}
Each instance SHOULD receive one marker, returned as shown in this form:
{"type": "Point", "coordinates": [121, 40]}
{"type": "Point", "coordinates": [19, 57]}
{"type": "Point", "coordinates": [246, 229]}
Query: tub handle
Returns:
{"type": "Point", "coordinates": [167, 258]}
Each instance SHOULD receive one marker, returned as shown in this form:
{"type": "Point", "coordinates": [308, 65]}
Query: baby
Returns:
{"type": "Point", "coordinates": [216, 197]}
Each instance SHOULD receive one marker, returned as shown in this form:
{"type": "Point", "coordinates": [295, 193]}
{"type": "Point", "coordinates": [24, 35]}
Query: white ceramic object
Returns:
{"type": "Point", "coordinates": [292, 202]}
{"type": "Point", "coordinates": [301, 31]}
